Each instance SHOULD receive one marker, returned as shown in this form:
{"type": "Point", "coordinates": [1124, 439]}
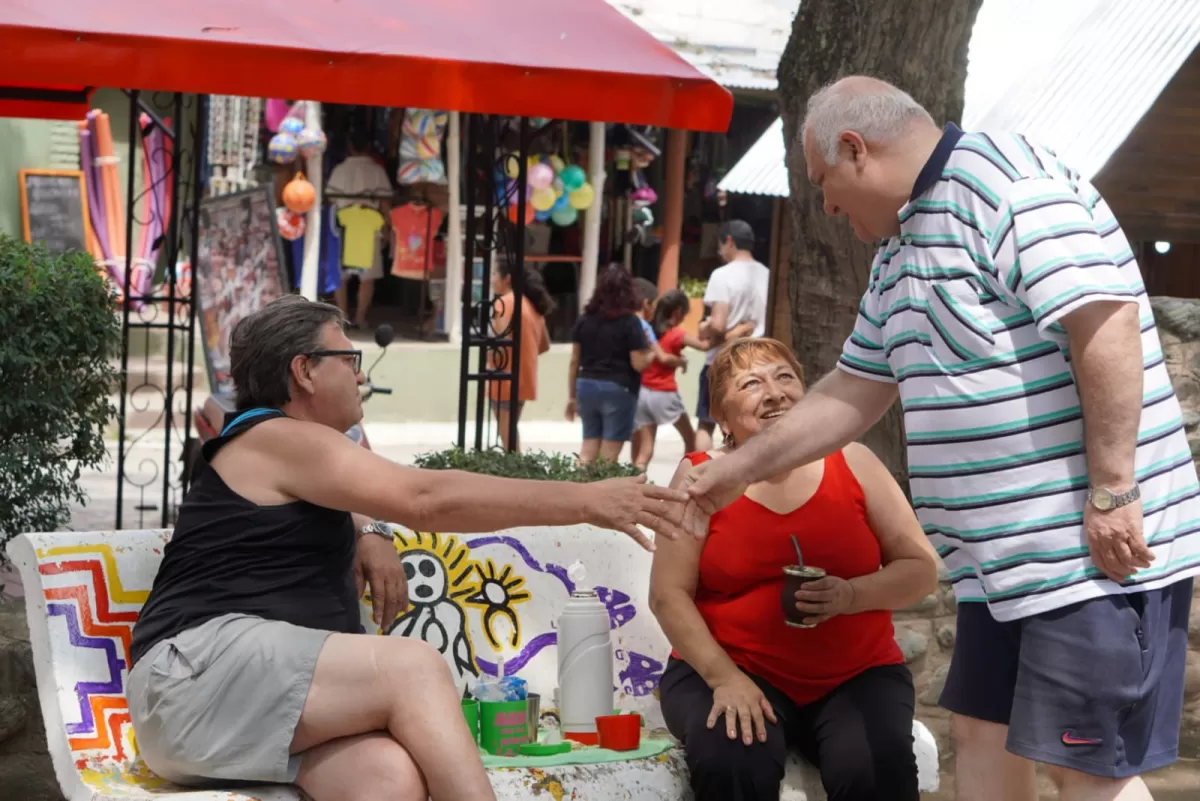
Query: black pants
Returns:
{"type": "Point", "coordinates": [859, 737]}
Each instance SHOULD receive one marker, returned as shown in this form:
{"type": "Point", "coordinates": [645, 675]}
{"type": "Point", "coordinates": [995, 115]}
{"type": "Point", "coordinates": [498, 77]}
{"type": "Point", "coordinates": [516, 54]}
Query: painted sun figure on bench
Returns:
{"type": "Point", "coordinates": [496, 596]}
{"type": "Point", "coordinates": [443, 582]}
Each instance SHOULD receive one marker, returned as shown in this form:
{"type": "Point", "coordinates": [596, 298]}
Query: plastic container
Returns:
{"type": "Point", "coordinates": [585, 662]}
{"type": "Point", "coordinates": [503, 726]}
{"type": "Point", "coordinates": [545, 749]}
{"type": "Point", "coordinates": [619, 732]}
{"type": "Point", "coordinates": [470, 710]}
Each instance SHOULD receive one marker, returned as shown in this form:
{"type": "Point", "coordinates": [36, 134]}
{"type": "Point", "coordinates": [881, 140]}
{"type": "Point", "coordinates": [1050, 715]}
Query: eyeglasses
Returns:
{"type": "Point", "coordinates": [355, 355]}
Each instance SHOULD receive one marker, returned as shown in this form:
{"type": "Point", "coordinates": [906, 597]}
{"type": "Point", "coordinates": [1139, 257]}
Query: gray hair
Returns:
{"type": "Point", "coordinates": [263, 345]}
{"type": "Point", "coordinates": [874, 109]}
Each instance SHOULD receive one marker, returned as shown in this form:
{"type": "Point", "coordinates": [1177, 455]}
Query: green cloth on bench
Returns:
{"type": "Point", "coordinates": [579, 755]}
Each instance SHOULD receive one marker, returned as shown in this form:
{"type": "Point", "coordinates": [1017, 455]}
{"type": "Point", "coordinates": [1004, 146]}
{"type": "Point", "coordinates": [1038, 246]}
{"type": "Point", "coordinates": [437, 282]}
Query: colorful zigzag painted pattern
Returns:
{"type": "Point", "coordinates": [87, 608]}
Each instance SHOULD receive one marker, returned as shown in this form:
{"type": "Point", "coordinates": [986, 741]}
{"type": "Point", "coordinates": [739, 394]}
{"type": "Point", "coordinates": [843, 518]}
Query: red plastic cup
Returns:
{"type": "Point", "coordinates": [619, 732]}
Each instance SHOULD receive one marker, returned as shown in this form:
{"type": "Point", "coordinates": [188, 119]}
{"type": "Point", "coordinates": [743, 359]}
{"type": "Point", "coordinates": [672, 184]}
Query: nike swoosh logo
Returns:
{"type": "Point", "coordinates": [1070, 738]}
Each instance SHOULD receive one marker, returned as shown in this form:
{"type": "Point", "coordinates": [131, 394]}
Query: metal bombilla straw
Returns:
{"type": "Point", "coordinates": [799, 556]}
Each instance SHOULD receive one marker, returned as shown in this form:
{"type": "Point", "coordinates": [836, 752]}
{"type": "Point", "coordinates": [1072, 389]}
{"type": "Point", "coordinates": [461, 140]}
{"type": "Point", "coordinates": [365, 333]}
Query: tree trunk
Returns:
{"type": "Point", "coordinates": [918, 45]}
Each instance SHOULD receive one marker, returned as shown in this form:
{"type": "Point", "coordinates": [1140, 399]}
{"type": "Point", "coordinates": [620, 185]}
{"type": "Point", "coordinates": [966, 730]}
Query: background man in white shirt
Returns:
{"type": "Point", "coordinates": [736, 292]}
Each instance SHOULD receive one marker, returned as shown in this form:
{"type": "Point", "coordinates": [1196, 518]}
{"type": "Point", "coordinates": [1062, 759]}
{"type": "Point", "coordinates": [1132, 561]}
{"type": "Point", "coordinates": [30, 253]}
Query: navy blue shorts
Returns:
{"type": "Point", "coordinates": [1096, 686]}
{"type": "Point", "coordinates": [703, 412]}
{"type": "Point", "coordinates": [605, 408]}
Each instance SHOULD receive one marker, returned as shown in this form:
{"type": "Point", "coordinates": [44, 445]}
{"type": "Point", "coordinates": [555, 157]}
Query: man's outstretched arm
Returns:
{"type": "Point", "coordinates": [322, 466]}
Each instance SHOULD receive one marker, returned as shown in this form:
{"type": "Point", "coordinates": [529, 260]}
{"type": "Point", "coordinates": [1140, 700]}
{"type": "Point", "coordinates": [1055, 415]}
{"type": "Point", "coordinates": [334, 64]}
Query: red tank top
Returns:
{"type": "Point", "coordinates": [741, 579]}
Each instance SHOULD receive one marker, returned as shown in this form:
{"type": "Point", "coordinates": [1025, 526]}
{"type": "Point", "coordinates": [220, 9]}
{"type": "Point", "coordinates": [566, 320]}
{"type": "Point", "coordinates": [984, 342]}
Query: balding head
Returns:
{"type": "Point", "coordinates": [874, 109]}
{"type": "Point", "coordinates": [865, 142]}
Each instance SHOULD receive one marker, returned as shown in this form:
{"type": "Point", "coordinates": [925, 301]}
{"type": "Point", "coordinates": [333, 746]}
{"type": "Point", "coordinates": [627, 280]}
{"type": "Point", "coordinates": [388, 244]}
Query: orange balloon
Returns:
{"type": "Point", "coordinates": [299, 195]}
{"type": "Point", "coordinates": [530, 213]}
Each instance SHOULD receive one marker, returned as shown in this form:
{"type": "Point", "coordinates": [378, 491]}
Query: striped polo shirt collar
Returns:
{"type": "Point", "coordinates": [932, 171]}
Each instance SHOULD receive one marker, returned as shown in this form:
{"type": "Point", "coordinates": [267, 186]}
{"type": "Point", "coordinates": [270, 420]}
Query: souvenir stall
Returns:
{"type": "Point", "coordinates": [392, 199]}
{"type": "Point", "coordinates": [402, 194]}
{"type": "Point", "coordinates": [525, 59]}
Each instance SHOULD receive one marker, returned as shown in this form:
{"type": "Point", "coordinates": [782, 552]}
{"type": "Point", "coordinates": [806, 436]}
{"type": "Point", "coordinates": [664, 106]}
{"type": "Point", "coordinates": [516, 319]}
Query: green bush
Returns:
{"type": "Point", "coordinates": [530, 464]}
{"type": "Point", "coordinates": [59, 335]}
{"type": "Point", "coordinates": [693, 287]}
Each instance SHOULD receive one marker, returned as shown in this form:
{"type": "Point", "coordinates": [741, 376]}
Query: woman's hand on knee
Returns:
{"type": "Point", "coordinates": [738, 698]}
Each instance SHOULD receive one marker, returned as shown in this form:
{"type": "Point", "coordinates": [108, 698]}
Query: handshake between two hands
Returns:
{"type": "Point", "coordinates": [623, 504]}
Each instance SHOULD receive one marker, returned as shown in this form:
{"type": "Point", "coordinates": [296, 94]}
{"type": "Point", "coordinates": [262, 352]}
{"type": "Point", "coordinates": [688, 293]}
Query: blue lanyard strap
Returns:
{"type": "Point", "coordinates": [250, 414]}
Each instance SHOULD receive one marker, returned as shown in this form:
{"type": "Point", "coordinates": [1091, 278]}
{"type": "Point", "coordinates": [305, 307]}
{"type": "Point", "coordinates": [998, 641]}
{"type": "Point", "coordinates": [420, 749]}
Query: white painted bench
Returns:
{"type": "Point", "coordinates": [475, 597]}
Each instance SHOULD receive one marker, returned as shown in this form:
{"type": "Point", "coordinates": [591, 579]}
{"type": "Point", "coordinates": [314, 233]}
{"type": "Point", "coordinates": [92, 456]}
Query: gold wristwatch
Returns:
{"type": "Point", "coordinates": [1105, 500]}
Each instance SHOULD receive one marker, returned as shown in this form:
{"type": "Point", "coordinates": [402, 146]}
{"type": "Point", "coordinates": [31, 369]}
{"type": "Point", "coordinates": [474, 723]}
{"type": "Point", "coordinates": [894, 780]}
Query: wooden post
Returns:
{"type": "Point", "coordinates": [674, 190]}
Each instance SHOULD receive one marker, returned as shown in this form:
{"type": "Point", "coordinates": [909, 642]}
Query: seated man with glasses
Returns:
{"type": "Point", "coordinates": [248, 661]}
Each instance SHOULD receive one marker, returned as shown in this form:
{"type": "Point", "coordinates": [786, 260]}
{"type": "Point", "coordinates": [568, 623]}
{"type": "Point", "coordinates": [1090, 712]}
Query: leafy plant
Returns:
{"type": "Point", "coordinates": [693, 287]}
{"type": "Point", "coordinates": [59, 336]}
{"type": "Point", "coordinates": [530, 464]}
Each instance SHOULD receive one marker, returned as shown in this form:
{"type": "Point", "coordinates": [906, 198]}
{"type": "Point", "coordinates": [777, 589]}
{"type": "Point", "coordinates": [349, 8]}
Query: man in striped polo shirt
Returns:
{"type": "Point", "coordinates": [1047, 458]}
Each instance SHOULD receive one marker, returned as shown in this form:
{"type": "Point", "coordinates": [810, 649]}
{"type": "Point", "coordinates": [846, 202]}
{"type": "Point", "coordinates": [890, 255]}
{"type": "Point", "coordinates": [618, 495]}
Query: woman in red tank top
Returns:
{"type": "Point", "coordinates": [742, 686]}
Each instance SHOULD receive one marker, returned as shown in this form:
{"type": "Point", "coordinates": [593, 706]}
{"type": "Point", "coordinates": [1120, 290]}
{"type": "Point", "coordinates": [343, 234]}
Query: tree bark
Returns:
{"type": "Point", "coordinates": [918, 45]}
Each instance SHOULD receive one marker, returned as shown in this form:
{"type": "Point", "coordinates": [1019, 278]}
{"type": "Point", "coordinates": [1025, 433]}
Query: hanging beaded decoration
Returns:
{"type": "Point", "coordinates": [233, 150]}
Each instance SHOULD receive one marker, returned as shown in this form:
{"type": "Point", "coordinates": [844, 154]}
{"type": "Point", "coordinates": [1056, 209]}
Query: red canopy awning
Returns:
{"type": "Point", "coordinates": [45, 102]}
{"type": "Point", "coordinates": [569, 59]}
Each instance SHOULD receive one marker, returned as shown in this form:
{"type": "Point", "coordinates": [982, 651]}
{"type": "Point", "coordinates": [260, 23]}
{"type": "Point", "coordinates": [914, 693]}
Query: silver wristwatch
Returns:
{"type": "Point", "coordinates": [1106, 500]}
{"type": "Point", "coordinates": [378, 529]}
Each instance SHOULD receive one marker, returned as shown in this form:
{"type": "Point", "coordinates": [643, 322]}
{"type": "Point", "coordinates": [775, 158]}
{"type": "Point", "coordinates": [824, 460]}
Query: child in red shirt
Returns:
{"type": "Point", "coordinates": [659, 403]}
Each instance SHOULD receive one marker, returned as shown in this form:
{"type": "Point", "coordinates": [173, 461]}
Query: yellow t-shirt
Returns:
{"type": "Point", "coordinates": [359, 227]}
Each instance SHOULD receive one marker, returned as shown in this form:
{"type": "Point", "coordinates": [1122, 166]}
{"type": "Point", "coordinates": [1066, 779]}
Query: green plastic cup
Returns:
{"type": "Point", "coordinates": [470, 710]}
{"type": "Point", "coordinates": [503, 726]}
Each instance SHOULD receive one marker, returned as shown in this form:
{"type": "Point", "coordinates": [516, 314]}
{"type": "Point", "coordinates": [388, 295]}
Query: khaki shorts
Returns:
{"type": "Point", "coordinates": [220, 702]}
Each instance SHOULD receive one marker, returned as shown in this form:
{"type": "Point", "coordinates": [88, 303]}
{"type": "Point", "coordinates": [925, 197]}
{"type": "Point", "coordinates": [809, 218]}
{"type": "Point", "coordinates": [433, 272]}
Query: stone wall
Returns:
{"type": "Point", "coordinates": [25, 769]}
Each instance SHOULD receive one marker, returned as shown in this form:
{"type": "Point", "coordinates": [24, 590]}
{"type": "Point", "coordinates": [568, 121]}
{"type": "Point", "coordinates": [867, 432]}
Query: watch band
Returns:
{"type": "Point", "coordinates": [378, 529]}
{"type": "Point", "coordinates": [1106, 500]}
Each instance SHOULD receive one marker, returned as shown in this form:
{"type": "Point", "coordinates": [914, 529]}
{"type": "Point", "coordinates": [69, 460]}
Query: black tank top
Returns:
{"type": "Point", "coordinates": [292, 562]}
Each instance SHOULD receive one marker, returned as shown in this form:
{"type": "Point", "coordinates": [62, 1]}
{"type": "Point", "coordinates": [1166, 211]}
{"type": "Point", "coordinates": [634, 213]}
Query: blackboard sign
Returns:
{"type": "Point", "coordinates": [54, 209]}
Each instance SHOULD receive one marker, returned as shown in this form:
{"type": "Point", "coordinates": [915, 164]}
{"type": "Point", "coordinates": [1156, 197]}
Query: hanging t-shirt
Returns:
{"type": "Point", "coordinates": [360, 226]}
{"type": "Point", "coordinates": [414, 227]}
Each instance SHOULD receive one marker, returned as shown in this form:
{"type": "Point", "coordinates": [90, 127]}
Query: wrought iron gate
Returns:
{"type": "Point", "coordinates": [492, 143]}
{"type": "Point", "coordinates": [157, 325]}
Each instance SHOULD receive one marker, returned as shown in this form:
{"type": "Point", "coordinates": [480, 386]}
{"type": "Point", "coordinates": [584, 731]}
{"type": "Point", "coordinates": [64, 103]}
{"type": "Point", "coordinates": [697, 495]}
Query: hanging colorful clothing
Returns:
{"type": "Point", "coordinates": [421, 147]}
{"type": "Point", "coordinates": [360, 228]}
{"type": "Point", "coordinates": [329, 273]}
{"type": "Point", "coordinates": [414, 228]}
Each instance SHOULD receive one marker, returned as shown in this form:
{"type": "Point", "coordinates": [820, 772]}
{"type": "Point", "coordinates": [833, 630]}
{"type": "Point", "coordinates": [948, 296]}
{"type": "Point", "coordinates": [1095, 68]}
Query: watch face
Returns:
{"type": "Point", "coordinates": [1102, 499]}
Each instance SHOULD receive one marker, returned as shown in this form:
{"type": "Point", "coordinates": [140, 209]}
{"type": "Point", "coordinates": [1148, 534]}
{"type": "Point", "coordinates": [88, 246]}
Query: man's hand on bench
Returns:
{"type": "Point", "coordinates": [377, 564]}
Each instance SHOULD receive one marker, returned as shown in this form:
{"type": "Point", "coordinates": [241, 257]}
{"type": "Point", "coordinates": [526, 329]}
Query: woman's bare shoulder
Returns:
{"type": "Point", "coordinates": [870, 471]}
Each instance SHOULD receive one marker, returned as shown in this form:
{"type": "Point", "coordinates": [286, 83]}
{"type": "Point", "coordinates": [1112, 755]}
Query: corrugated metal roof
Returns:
{"type": "Point", "coordinates": [1082, 99]}
{"type": "Point", "coordinates": [737, 45]}
{"type": "Point", "coordinates": [1086, 100]}
{"type": "Point", "coordinates": [761, 171]}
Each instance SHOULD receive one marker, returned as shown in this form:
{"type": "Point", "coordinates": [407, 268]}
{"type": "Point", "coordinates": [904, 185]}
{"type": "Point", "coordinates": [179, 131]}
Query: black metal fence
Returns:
{"type": "Point", "coordinates": [491, 144]}
{"type": "Point", "coordinates": [157, 326]}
